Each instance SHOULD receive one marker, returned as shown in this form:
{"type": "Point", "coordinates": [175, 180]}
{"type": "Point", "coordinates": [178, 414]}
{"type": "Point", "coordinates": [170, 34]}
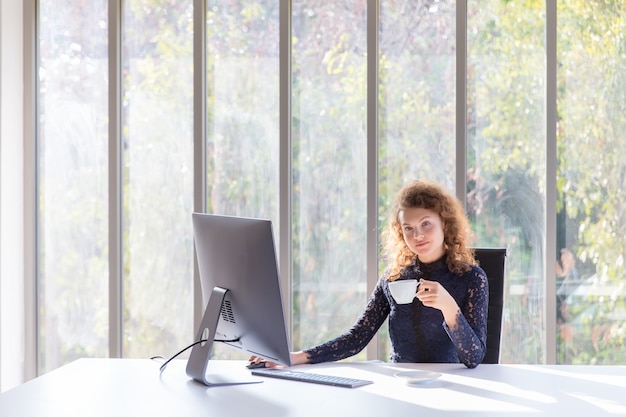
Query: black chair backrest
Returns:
{"type": "Point", "coordinates": [493, 262]}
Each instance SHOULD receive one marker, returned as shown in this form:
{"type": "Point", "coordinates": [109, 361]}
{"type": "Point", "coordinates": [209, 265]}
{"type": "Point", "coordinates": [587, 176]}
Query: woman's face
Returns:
{"type": "Point", "coordinates": [423, 233]}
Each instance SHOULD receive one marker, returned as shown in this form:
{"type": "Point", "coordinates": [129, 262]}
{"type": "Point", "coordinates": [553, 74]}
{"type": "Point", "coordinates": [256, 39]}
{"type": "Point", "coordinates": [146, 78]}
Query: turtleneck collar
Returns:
{"type": "Point", "coordinates": [426, 269]}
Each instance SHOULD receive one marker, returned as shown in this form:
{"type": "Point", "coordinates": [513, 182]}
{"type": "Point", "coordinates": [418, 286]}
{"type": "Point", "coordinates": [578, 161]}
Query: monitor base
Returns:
{"type": "Point", "coordinates": [217, 375]}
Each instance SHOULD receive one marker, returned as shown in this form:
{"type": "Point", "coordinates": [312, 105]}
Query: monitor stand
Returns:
{"type": "Point", "coordinates": [198, 366]}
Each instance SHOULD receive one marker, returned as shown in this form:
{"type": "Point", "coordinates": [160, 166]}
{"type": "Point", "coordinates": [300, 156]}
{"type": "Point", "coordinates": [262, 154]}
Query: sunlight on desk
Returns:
{"type": "Point", "coordinates": [134, 387]}
{"type": "Point", "coordinates": [525, 389]}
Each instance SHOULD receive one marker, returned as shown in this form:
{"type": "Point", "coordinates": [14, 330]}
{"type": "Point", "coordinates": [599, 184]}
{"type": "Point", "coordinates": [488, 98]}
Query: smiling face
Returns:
{"type": "Point", "coordinates": [423, 233]}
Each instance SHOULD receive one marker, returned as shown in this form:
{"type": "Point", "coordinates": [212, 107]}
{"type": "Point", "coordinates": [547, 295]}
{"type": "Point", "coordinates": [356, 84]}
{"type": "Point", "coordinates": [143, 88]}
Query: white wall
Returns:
{"type": "Point", "coordinates": [11, 195]}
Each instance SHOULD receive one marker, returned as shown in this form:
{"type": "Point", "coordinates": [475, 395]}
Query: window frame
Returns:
{"type": "Point", "coordinates": [29, 37]}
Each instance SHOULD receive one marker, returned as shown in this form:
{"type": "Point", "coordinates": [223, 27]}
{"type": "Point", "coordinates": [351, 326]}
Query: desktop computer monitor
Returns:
{"type": "Point", "coordinates": [241, 290]}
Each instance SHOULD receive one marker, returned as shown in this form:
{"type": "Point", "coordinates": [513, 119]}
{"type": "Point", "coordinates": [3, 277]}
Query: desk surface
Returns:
{"type": "Point", "coordinates": [134, 387]}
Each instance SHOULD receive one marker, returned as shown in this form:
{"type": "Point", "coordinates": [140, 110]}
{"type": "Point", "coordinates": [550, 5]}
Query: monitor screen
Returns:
{"type": "Point", "coordinates": [241, 290]}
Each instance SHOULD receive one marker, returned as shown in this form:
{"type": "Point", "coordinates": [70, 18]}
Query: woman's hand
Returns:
{"type": "Point", "coordinates": [433, 294]}
{"type": "Point", "coordinates": [256, 362]}
{"type": "Point", "coordinates": [297, 358]}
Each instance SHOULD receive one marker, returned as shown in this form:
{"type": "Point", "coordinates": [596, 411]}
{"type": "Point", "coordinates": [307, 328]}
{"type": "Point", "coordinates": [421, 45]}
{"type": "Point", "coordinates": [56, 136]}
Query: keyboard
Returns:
{"type": "Point", "coordinates": [337, 381]}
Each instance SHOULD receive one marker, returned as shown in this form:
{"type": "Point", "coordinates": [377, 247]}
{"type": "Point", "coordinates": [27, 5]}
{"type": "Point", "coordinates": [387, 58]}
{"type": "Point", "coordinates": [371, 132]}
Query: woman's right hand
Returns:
{"type": "Point", "coordinates": [255, 361]}
{"type": "Point", "coordinates": [297, 358]}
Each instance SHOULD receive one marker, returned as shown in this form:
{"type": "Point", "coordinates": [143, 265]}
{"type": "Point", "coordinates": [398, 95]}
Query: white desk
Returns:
{"type": "Point", "coordinates": [128, 387]}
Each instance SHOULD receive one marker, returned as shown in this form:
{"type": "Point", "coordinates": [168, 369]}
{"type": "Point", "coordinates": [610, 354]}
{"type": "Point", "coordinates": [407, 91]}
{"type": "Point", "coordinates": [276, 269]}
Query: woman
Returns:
{"type": "Point", "coordinates": [426, 239]}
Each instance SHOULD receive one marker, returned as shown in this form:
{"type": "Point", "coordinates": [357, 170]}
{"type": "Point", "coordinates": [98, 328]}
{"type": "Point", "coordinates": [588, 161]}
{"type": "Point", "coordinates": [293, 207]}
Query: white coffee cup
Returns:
{"type": "Point", "coordinates": [403, 291]}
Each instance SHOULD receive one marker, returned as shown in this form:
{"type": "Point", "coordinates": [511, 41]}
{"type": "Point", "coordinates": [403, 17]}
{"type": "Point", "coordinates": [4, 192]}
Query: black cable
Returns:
{"type": "Point", "coordinates": [162, 368]}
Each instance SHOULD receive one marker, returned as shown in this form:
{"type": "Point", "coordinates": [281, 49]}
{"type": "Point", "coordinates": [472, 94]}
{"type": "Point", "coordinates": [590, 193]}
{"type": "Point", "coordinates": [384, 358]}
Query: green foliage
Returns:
{"type": "Point", "coordinates": [507, 138]}
{"type": "Point", "coordinates": [506, 156]}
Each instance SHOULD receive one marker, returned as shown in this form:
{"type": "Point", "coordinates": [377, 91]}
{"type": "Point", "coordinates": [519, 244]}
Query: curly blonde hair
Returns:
{"type": "Point", "coordinates": [456, 230]}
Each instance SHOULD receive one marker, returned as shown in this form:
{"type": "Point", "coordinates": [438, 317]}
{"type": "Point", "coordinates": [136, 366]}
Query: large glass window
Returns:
{"type": "Point", "coordinates": [157, 173]}
{"type": "Point", "coordinates": [242, 116]}
{"type": "Point", "coordinates": [506, 158]}
{"type": "Point", "coordinates": [591, 222]}
{"type": "Point", "coordinates": [417, 100]}
{"type": "Point", "coordinates": [242, 113]}
{"type": "Point", "coordinates": [72, 178]}
{"type": "Point", "coordinates": [506, 142]}
{"type": "Point", "coordinates": [329, 168]}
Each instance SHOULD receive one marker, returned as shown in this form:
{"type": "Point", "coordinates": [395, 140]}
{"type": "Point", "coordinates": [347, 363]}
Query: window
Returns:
{"type": "Point", "coordinates": [506, 159]}
{"type": "Point", "coordinates": [507, 166]}
{"type": "Point", "coordinates": [591, 291]}
{"type": "Point", "coordinates": [73, 183]}
{"type": "Point", "coordinates": [242, 143]}
{"type": "Point", "coordinates": [329, 168]}
{"type": "Point", "coordinates": [417, 100]}
{"type": "Point", "coordinates": [157, 176]}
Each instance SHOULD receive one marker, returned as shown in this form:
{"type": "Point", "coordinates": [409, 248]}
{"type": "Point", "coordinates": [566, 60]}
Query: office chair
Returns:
{"type": "Point", "coordinates": [493, 261]}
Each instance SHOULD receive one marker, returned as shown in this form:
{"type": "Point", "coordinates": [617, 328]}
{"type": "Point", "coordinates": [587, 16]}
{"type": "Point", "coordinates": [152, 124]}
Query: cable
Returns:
{"type": "Point", "coordinates": [162, 368]}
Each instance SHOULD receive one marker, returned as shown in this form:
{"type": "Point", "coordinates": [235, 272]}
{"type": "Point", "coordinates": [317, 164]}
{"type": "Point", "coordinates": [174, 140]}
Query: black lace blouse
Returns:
{"type": "Point", "coordinates": [419, 333]}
